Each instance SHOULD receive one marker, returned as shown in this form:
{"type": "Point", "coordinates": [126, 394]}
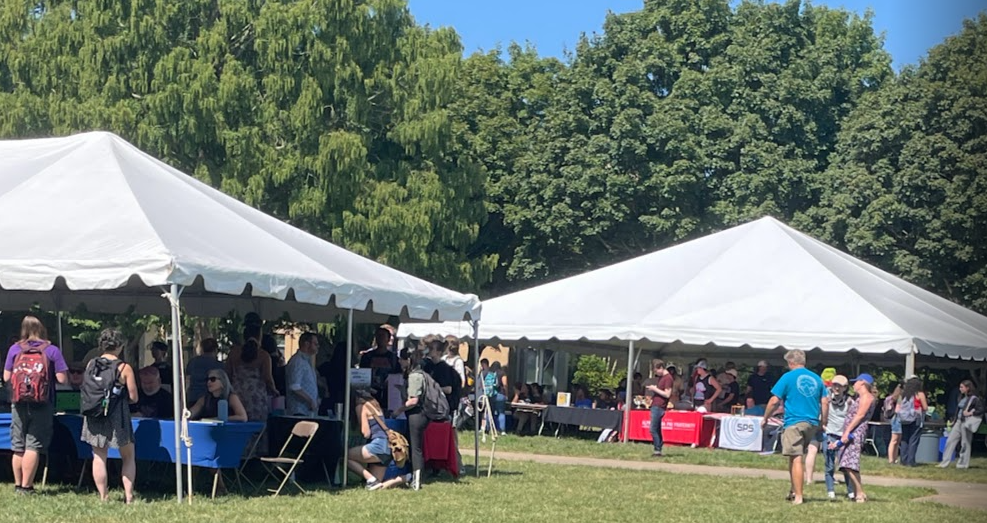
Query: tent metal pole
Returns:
{"type": "Point", "coordinates": [910, 361]}
{"type": "Point", "coordinates": [476, 397]}
{"type": "Point", "coordinates": [61, 344]}
{"type": "Point", "coordinates": [176, 332]}
{"type": "Point", "coordinates": [346, 393]}
{"type": "Point", "coordinates": [628, 399]}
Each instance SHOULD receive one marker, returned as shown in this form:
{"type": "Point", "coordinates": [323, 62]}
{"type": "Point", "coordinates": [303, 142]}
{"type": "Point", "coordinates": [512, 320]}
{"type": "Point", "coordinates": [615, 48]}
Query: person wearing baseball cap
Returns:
{"type": "Point", "coordinates": [838, 403]}
{"type": "Point", "coordinates": [855, 432]}
{"type": "Point", "coordinates": [731, 394]}
{"type": "Point", "coordinates": [705, 388]}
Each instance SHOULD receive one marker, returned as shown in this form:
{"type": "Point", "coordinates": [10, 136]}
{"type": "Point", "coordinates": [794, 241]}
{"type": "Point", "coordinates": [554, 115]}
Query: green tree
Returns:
{"type": "Point", "coordinates": [677, 120]}
{"type": "Point", "coordinates": [332, 115]}
{"type": "Point", "coordinates": [907, 188]}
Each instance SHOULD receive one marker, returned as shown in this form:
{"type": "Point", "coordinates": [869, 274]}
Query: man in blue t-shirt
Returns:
{"type": "Point", "coordinates": [802, 392]}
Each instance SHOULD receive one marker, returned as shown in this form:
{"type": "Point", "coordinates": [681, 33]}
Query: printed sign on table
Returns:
{"type": "Point", "coordinates": [740, 433]}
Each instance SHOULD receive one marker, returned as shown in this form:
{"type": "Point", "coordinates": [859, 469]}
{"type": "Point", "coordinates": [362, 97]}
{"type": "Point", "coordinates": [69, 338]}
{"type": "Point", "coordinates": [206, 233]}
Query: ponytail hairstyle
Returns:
{"type": "Point", "coordinates": [251, 345]}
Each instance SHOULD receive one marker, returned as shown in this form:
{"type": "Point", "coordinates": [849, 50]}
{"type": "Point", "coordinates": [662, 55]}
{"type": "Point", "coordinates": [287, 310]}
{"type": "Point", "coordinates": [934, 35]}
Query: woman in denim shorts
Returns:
{"type": "Point", "coordinates": [370, 461]}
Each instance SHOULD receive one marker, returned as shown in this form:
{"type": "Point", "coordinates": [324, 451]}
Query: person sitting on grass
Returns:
{"type": "Point", "coordinates": [369, 461]}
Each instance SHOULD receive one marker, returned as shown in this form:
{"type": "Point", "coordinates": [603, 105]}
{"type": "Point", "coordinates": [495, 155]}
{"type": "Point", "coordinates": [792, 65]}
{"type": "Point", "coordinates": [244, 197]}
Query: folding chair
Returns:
{"type": "Point", "coordinates": [239, 474]}
{"type": "Point", "coordinates": [276, 466]}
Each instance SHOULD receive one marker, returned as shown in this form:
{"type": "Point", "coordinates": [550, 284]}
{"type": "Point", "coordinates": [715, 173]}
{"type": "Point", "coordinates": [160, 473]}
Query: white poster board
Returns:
{"type": "Point", "coordinates": [740, 433]}
{"type": "Point", "coordinates": [360, 378]}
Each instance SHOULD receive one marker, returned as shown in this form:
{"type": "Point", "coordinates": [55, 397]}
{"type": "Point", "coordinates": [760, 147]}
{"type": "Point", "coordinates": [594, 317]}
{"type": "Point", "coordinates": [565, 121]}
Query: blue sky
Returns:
{"type": "Point", "coordinates": [911, 27]}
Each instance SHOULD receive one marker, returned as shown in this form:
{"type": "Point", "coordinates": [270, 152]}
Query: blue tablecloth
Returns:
{"type": "Point", "coordinates": [214, 444]}
{"type": "Point", "coordinates": [5, 431]}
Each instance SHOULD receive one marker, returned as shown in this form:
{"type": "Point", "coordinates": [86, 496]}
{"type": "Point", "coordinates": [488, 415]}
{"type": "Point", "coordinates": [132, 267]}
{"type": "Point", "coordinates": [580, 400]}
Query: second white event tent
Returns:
{"type": "Point", "coordinates": [92, 220]}
{"type": "Point", "coordinates": [762, 285]}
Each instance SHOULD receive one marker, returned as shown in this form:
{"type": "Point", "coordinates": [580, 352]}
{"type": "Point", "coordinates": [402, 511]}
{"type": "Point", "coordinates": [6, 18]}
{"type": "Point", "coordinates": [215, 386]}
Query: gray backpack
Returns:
{"type": "Point", "coordinates": [433, 401]}
{"type": "Point", "coordinates": [907, 413]}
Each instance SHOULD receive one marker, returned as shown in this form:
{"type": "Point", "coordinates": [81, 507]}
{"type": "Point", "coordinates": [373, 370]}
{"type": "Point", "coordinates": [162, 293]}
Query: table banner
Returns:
{"type": "Point", "coordinates": [740, 433]}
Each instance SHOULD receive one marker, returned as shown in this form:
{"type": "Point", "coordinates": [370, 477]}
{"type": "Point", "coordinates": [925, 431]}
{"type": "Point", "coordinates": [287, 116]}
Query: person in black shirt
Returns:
{"type": "Point", "coordinates": [447, 378]}
{"type": "Point", "coordinates": [382, 361]}
{"type": "Point", "coordinates": [159, 351]}
{"type": "Point", "coordinates": [152, 401]}
{"type": "Point", "coordinates": [442, 373]}
{"type": "Point", "coordinates": [759, 386]}
{"type": "Point", "coordinates": [731, 394]}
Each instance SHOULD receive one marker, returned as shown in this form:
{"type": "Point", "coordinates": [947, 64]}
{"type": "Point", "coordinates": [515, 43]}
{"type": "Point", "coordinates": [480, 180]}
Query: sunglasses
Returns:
{"type": "Point", "coordinates": [212, 379]}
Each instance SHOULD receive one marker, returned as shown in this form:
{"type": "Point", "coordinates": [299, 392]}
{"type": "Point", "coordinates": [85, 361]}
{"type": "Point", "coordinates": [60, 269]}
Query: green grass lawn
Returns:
{"type": "Point", "coordinates": [518, 491]}
{"type": "Point", "coordinates": [579, 446]}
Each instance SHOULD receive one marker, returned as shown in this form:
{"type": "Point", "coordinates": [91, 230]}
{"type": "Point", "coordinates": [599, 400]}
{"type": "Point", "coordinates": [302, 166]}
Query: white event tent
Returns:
{"type": "Point", "coordinates": [92, 220]}
{"type": "Point", "coordinates": [762, 285]}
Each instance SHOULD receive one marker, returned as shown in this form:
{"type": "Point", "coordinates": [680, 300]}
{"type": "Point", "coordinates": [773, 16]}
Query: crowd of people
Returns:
{"type": "Point", "coordinates": [819, 416]}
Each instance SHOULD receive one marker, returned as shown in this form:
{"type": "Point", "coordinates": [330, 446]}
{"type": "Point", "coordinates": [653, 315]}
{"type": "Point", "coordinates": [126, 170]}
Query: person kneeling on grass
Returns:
{"type": "Point", "coordinates": [370, 461]}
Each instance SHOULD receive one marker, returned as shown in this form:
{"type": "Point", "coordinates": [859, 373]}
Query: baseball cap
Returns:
{"type": "Point", "coordinates": [864, 377]}
{"type": "Point", "coordinates": [840, 379]}
{"type": "Point", "coordinates": [762, 363]}
{"type": "Point", "coordinates": [731, 372]}
{"type": "Point", "coordinates": [702, 365]}
{"type": "Point", "coordinates": [913, 377]}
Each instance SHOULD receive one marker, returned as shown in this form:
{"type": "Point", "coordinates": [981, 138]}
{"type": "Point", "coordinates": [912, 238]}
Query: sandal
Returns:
{"type": "Point", "coordinates": [860, 499]}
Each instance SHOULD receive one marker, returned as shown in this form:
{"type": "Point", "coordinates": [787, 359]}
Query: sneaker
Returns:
{"type": "Point", "coordinates": [374, 485]}
{"type": "Point", "coordinates": [850, 496]}
{"type": "Point", "coordinates": [484, 437]}
{"type": "Point", "coordinates": [656, 454]}
{"type": "Point", "coordinates": [831, 495]}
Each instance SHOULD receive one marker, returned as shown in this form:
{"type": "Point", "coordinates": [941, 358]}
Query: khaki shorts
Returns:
{"type": "Point", "coordinates": [795, 439]}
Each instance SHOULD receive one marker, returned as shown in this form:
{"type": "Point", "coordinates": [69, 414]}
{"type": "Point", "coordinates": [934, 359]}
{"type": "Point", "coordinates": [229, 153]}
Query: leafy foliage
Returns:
{"type": "Point", "coordinates": [330, 115]}
{"type": "Point", "coordinates": [594, 373]}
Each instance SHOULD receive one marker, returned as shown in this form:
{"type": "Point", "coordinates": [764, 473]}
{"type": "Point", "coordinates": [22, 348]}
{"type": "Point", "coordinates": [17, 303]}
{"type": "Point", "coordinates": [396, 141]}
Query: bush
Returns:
{"type": "Point", "coordinates": [594, 373]}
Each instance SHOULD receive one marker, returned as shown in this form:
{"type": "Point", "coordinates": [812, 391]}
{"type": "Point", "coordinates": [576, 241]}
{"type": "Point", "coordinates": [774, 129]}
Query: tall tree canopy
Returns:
{"type": "Point", "coordinates": [907, 188]}
{"type": "Point", "coordinates": [330, 114]}
{"type": "Point", "coordinates": [679, 119]}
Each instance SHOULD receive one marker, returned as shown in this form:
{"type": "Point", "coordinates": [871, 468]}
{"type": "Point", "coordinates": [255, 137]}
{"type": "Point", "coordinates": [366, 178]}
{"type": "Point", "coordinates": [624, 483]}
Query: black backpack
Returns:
{"type": "Point", "coordinates": [435, 406]}
{"type": "Point", "coordinates": [101, 387]}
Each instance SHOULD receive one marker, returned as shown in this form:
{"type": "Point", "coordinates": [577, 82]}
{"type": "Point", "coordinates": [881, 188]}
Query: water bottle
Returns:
{"type": "Point", "coordinates": [223, 410]}
{"type": "Point", "coordinates": [839, 443]}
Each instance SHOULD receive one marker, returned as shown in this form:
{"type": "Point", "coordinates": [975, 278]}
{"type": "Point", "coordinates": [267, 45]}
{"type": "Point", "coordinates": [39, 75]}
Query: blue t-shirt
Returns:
{"type": "Point", "coordinates": [802, 391]}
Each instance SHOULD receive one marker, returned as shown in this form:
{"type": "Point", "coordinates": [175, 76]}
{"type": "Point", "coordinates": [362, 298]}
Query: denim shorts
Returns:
{"type": "Point", "coordinates": [379, 447]}
{"type": "Point", "coordinates": [895, 425]}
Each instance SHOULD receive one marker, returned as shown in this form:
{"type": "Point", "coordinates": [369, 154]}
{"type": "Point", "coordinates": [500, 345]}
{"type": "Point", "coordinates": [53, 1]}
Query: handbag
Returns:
{"type": "Point", "coordinates": [396, 441]}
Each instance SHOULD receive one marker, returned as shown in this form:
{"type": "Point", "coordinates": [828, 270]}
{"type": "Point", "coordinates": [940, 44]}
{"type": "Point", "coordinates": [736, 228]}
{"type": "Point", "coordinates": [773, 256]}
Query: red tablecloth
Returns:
{"type": "Point", "coordinates": [640, 425]}
{"type": "Point", "coordinates": [686, 428]}
{"type": "Point", "coordinates": [677, 427]}
{"type": "Point", "coordinates": [440, 447]}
